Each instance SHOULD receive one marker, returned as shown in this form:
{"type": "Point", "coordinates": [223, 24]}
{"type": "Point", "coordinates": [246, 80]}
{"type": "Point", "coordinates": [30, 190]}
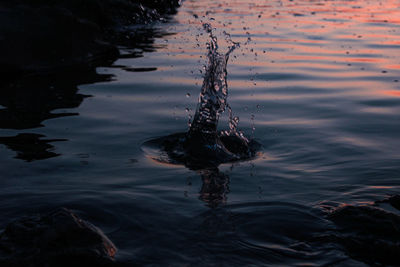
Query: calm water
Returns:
{"type": "Point", "coordinates": [319, 82]}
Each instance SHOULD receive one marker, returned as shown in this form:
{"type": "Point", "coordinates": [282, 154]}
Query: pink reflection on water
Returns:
{"type": "Point", "coordinates": [347, 48]}
{"type": "Point", "coordinates": [392, 93]}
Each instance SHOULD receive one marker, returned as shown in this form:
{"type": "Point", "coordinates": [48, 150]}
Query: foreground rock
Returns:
{"type": "Point", "coordinates": [59, 238]}
{"type": "Point", "coordinates": [368, 233]}
{"type": "Point", "coordinates": [393, 200]}
{"type": "Point", "coordinates": [48, 35]}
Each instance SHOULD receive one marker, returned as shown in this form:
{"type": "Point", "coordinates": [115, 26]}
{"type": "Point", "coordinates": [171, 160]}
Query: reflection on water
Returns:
{"type": "Point", "coordinates": [318, 80]}
{"type": "Point", "coordinates": [139, 39]}
{"type": "Point", "coordinates": [31, 100]}
{"type": "Point", "coordinates": [215, 187]}
{"type": "Point", "coordinates": [30, 147]}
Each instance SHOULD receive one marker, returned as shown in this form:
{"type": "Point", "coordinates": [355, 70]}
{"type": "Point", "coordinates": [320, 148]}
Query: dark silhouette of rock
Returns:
{"type": "Point", "coordinates": [59, 238]}
{"type": "Point", "coordinates": [49, 47]}
{"type": "Point", "coordinates": [40, 39]}
{"type": "Point", "coordinates": [49, 35]}
{"type": "Point", "coordinates": [394, 201]}
{"type": "Point", "coordinates": [369, 234]}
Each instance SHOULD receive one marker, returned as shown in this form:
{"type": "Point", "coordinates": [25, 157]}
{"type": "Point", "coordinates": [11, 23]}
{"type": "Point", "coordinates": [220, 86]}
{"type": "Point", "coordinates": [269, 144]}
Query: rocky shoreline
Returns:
{"type": "Point", "coordinates": [46, 36]}
{"type": "Point", "coordinates": [49, 47]}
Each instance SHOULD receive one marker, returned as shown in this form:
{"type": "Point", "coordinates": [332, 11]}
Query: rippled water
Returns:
{"type": "Point", "coordinates": [317, 80]}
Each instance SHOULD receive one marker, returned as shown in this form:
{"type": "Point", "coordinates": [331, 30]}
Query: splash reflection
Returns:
{"type": "Point", "coordinates": [215, 187]}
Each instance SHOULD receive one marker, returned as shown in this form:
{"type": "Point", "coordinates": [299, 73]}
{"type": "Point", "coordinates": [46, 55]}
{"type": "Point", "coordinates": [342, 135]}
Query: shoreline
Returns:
{"type": "Point", "coordinates": [45, 37]}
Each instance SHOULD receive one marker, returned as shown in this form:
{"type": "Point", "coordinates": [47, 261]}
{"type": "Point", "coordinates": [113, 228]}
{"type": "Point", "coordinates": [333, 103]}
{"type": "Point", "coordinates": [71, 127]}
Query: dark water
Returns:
{"type": "Point", "coordinates": [317, 80]}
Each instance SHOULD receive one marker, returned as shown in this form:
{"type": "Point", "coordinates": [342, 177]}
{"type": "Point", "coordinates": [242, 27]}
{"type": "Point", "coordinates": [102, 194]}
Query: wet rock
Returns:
{"type": "Point", "coordinates": [394, 201]}
{"type": "Point", "coordinates": [368, 233]}
{"type": "Point", "coordinates": [42, 39]}
{"type": "Point", "coordinates": [59, 238]}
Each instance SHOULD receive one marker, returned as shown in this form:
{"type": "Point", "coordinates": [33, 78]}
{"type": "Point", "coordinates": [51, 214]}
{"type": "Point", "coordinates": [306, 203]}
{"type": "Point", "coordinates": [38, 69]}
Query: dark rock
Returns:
{"type": "Point", "coordinates": [368, 233]}
{"type": "Point", "coordinates": [59, 238]}
{"type": "Point", "coordinates": [49, 35]}
{"type": "Point", "coordinates": [45, 39]}
{"type": "Point", "coordinates": [394, 201]}
{"type": "Point", "coordinates": [367, 220]}
{"type": "Point", "coordinates": [49, 47]}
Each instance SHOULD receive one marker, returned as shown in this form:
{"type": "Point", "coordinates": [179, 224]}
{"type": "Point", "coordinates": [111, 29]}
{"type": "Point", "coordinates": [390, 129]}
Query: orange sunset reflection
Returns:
{"type": "Point", "coordinates": [348, 47]}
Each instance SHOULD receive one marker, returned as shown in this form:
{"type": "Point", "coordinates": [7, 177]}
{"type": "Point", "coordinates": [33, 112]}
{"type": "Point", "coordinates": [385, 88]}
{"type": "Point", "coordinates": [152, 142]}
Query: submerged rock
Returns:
{"type": "Point", "coordinates": [59, 238]}
{"type": "Point", "coordinates": [394, 201]}
{"type": "Point", "coordinates": [368, 233]}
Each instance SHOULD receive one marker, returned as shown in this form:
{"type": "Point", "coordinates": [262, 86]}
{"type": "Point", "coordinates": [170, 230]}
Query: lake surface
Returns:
{"type": "Point", "coordinates": [315, 82]}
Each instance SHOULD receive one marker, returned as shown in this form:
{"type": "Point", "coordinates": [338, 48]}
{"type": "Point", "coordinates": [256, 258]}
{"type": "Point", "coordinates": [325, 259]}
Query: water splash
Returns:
{"type": "Point", "coordinates": [203, 146]}
{"type": "Point", "coordinates": [233, 126]}
{"type": "Point", "coordinates": [214, 92]}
